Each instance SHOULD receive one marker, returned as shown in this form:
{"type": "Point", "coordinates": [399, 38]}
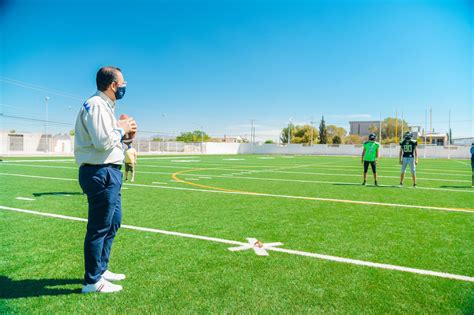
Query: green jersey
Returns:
{"type": "Point", "coordinates": [371, 148]}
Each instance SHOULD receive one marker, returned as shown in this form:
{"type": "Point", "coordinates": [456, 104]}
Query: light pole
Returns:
{"type": "Point", "coordinates": [46, 99]}
{"type": "Point", "coordinates": [252, 136]}
{"type": "Point", "coordinates": [449, 134]}
{"type": "Point", "coordinates": [312, 136]}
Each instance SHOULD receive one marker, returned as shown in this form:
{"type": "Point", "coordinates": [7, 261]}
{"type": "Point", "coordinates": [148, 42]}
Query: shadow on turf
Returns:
{"type": "Point", "coordinates": [56, 193]}
{"type": "Point", "coordinates": [13, 289]}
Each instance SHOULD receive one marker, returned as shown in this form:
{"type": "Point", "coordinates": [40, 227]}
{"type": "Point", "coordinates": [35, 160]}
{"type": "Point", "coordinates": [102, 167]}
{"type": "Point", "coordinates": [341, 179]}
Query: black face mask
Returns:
{"type": "Point", "coordinates": [120, 92]}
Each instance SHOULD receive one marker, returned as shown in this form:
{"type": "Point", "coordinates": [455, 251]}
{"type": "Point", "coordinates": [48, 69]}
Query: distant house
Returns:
{"type": "Point", "coordinates": [226, 139]}
{"type": "Point", "coordinates": [361, 128]}
{"type": "Point", "coordinates": [433, 138]}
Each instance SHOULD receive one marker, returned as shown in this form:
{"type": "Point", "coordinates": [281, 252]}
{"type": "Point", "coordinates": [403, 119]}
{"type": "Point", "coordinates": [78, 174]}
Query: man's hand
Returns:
{"type": "Point", "coordinates": [416, 162]}
{"type": "Point", "coordinates": [128, 125]}
{"type": "Point", "coordinates": [400, 161]}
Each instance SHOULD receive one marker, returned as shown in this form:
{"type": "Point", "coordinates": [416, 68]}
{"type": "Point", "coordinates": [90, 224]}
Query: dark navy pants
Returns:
{"type": "Point", "coordinates": [101, 184]}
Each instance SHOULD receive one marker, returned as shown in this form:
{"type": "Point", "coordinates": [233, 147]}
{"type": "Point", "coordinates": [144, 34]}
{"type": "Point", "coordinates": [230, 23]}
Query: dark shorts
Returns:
{"type": "Point", "coordinates": [372, 164]}
{"type": "Point", "coordinates": [128, 167]}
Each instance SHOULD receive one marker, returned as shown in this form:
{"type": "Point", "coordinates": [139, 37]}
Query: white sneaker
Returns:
{"type": "Point", "coordinates": [110, 276]}
{"type": "Point", "coordinates": [102, 286]}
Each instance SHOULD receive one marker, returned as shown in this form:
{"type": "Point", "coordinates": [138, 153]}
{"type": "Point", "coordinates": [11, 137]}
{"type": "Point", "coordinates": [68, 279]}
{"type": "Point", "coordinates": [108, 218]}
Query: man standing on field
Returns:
{"type": "Point", "coordinates": [98, 150]}
{"type": "Point", "coordinates": [370, 154]}
{"type": "Point", "coordinates": [131, 157]}
{"type": "Point", "coordinates": [408, 157]}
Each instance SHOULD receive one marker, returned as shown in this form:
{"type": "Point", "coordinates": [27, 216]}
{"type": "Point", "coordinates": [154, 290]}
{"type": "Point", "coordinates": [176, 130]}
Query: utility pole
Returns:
{"type": "Point", "coordinates": [449, 135]}
{"type": "Point", "coordinates": [46, 99]}
{"type": "Point", "coordinates": [380, 127]}
{"type": "Point", "coordinates": [312, 133]}
{"type": "Point", "coordinates": [424, 134]}
{"type": "Point", "coordinates": [396, 126]}
{"type": "Point", "coordinates": [401, 134]}
{"type": "Point", "coordinates": [431, 125]}
{"type": "Point", "coordinates": [252, 132]}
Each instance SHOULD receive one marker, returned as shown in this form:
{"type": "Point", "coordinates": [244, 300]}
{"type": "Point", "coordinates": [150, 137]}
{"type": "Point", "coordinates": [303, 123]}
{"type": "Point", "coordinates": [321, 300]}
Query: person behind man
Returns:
{"type": "Point", "coordinates": [370, 154]}
{"type": "Point", "coordinates": [98, 150]}
{"type": "Point", "coordinates": [131, 157]}
{"type": "Point", "coordinates": [408, 156]}
{"type": "Point", "coordinates": [472, 163]}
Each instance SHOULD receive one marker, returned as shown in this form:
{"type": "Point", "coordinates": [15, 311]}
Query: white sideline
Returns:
{"type": "Point", "coordinates": [276, 249]}
{"type": "Point", "coordinates": [269, 195]}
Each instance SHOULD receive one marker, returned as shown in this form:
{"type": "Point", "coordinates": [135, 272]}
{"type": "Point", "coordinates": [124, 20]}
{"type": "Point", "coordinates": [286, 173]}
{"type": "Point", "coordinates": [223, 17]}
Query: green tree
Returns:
{"type": "Point", "coordinates": [299, 134]}
{"type": "Point", "coordinates": [269, 142]}
{"type": "Point", "coordinates": [389, 125]}
{"type": "Point", "coordinates": [323, 139]}
{"type": "Point", "coordinates": [336, 140]}
{"type": "Point", "coordinates": [333, 131]}
{"type": "Point", "coordinates": [284, 133]}
{"type": "Point", "coordinates": [195, 136]}
{"type": "Point", "coordinates": [72, 132]}
{"type": "Point", "coordinates": [157, 139]}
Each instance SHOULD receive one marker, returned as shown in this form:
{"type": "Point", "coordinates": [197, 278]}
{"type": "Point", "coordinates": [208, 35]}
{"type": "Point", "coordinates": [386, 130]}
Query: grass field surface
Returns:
{"type": "Point", "coordinates": [347, 248]}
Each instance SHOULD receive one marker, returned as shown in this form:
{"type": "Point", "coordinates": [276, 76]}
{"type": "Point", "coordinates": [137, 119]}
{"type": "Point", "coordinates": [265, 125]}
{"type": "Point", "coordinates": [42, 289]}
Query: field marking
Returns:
{"type": "Point", "coordinates": [169, 158]}
{"type": "Point", "coordinates": [304, 173]}
{"type": "Point", "coordinates": [175, 177]}
{"type": "Point", "coordinates": [392, 167]}
{"type": "Point", "coordinates": [55, 160]}
{"type": "Point", "coordinates": [209, 176]}
{"type": "Point", "coordinates": [332, 163]}
{"type": "Point", "coordinates": [462, 162]}
{"type": "Point", "coordinates": [159, 183]}
{"type": "Point", "coordinates": [235, 192]}
{"type": "Point", "coordinates": [275, 170]}
{"type": "Point", "coordinates": [25, 198]}
{"type": "Point", "coordinates": [269, 248]}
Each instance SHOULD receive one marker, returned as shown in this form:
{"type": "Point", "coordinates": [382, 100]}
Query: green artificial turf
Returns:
{"type": "Point", "coordinates": [41, 262]}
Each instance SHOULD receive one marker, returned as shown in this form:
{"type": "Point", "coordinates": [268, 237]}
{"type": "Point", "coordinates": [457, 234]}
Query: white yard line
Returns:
{"type": "Point", "coordinates": [25, 198]}
{"type": "Point", "coordinates": [21, 161]}
{"type": "Point", "coordinates": [374, 203]}
{"type": "Point", "coordinates": [276, 249]}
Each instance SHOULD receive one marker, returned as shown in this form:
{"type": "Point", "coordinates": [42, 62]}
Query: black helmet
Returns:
{"type": "Point", "coordinates": [372, 136]}
{"type": "Point", "coordinates": [408, 135]}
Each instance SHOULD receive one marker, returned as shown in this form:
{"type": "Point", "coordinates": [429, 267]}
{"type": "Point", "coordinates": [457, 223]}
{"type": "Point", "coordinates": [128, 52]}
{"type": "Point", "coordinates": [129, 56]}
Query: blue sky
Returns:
{"type": "Point", "coordinates": [221, 63]}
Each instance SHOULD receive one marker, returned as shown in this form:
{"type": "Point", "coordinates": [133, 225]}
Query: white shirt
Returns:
{"type": "Point", "coordinates": [98, 139]}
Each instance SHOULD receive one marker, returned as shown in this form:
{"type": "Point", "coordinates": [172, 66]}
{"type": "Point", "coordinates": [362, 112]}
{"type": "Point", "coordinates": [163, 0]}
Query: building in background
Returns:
{"type": "Point", "coordinates": [361, 128]}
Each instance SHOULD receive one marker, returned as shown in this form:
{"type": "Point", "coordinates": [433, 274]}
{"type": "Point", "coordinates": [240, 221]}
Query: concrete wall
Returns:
{"type": "Point", "coordinates": [33, 144]}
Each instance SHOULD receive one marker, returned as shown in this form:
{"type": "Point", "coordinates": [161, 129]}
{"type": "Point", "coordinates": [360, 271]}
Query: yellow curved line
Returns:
{"type": "Point", "coordinates": [176, 178]}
